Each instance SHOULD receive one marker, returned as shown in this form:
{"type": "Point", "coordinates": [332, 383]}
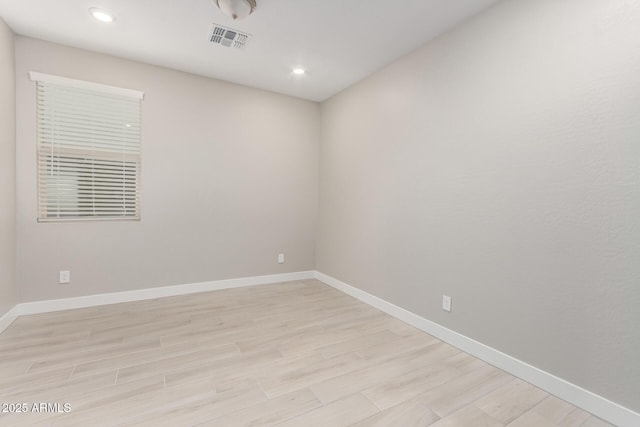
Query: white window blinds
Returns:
{"type": "Point", "coordinates": [88, 150]}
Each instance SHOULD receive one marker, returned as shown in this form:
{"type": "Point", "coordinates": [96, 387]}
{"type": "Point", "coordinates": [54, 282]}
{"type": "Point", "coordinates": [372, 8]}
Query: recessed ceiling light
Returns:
{"type": "Point", "coordinates": [101, 15]}
{"type": "Point", "coordinates": [299, 71]}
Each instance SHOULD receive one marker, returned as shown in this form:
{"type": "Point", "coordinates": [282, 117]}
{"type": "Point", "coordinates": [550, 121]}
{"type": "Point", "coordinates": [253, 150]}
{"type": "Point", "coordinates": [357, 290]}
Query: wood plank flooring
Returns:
{"type": "Point", "coordinates": [291, 354]}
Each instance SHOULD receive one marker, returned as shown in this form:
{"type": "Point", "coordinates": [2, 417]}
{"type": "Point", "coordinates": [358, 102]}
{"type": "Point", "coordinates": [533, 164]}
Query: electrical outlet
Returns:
{"type": "Point", "coordinates": [446, 303]}
{"type": "Point", "coordinates": [280, 258]}
{"type": "Point", "coordinates": [65, 277]}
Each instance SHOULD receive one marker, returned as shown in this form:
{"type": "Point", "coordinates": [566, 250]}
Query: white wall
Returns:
{"type": "Point", "coordinates": [8, 281]}
{"type": "Point", "coordinates": [229, 180]}
{"type": "Point", "coordinates": [500, 164]}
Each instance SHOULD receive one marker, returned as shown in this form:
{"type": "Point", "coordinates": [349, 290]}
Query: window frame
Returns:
{"type": "Point", "coordinates": [78, 153]}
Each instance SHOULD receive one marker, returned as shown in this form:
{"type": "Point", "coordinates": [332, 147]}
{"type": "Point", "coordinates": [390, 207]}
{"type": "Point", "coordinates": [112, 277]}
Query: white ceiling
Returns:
{"type": "Point", "coordinates": [339, 42]}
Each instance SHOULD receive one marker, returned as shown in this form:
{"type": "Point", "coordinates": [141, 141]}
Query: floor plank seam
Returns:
{"type": "Point", "coordinates": [372, 402]}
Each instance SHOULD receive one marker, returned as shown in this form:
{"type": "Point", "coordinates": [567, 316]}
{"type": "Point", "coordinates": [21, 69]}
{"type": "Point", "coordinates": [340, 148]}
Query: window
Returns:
{"type": "Point", "coordinates": [88, 150]}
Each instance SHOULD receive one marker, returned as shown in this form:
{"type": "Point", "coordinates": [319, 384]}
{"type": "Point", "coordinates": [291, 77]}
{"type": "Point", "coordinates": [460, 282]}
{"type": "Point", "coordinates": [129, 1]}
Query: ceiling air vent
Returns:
{"type": "Point", "coordinates": [229, 38]}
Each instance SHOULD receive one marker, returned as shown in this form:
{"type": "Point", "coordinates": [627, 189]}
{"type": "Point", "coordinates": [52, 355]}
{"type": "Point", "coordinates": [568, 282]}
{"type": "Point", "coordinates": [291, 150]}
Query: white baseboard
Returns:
{"type": "Point", "coordinates": [591, 402]}
{"type": "Point", "coordinates": [152, 293]}
{"type": "Point", "coordinates": [7, 319]}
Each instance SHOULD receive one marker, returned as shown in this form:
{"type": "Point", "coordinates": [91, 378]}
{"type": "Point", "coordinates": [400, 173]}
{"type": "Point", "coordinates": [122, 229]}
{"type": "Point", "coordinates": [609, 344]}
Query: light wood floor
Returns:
{"type": "Point", "coordinates": [294, 354]}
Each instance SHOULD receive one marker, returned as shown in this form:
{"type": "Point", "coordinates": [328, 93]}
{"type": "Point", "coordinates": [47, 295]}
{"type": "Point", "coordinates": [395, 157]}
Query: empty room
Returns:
{"type": "Point", "coordinates": [320, 213]}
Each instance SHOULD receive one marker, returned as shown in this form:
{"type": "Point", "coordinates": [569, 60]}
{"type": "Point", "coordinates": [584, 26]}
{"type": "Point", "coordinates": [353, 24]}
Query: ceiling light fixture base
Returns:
{"type": "Point", "coordinates": [236, 9]}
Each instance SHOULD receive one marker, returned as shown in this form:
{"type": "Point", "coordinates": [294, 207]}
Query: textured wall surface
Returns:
{"type": "Point", "coordinates": [229, 180]}
{"type": "Point", "coordinates": [500, 165]}
{"type": "Point", "coordinates": [8, 281]}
